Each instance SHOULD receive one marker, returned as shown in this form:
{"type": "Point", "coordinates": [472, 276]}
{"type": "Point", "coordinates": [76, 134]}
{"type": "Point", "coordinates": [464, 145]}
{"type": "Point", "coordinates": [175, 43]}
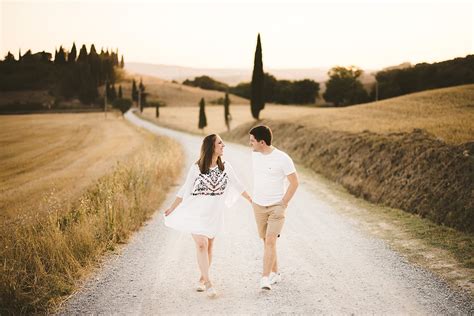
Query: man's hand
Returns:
{"type": "Point", "coordinates": [293, 179]}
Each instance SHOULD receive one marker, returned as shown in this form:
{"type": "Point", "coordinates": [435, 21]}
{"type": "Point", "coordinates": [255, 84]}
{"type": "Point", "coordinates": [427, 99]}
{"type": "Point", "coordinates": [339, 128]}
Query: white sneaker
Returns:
{"type": "Point", "coordinates": [265, 283]}
{"type": "Point", "coordinates": [275, 277]}
{"type": "Point", "coordinates": [211, 292]}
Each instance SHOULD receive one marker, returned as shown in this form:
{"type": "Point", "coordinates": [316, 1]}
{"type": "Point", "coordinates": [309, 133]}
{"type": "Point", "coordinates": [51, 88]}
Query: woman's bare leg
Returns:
{"type": "Point", "coordinates": [202, 248]}
{"type": "Point", "coordinates": [209, 249]}
{"type": "Point", "coordinates": [209, 254]}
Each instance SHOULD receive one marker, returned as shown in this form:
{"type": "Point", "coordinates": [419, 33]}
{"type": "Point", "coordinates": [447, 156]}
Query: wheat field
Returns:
{"type": "Point", "coordinates": [58, 153]}
{"type": "Point", "coordinates": [72, 187]}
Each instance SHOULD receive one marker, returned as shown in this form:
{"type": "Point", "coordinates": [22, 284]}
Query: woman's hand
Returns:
{"type": "Point", "coordinates": [247, 197]}
{"type": "Point", "coordinates": [169, 211]}
{"type": "Point", "coordinates": [173, 206]}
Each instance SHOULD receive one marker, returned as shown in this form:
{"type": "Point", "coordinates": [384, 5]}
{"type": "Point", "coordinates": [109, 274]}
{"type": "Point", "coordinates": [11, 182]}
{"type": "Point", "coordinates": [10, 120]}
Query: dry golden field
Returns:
{"type": "Point", "coordinates": [175, 94]}
{"type": "Point", "coordinates": [446, 113]}
{"type": "Point", "coordinates": [72, 187]}
{"type": "Point", "coordinates": [60, 153]}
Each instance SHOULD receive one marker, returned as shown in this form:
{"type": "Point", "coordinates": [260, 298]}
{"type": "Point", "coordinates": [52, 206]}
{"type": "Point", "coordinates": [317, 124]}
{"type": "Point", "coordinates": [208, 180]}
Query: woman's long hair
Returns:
{"type": "Point", "coordinates": [207, 151]}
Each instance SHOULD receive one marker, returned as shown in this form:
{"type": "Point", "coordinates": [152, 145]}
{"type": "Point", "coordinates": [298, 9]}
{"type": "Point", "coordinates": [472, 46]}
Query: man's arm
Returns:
{"type": "Point", "coordinates": [293, 179]}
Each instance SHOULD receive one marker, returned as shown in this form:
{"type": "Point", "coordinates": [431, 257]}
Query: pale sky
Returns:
{"type": "Point", "coordinates": [222, 34]}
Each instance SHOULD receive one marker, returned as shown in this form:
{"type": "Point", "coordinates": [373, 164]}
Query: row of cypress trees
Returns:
{"type": "Point", "coordinates": [202, 113]}
{"type": "Point", "coordinates": [70, 74]}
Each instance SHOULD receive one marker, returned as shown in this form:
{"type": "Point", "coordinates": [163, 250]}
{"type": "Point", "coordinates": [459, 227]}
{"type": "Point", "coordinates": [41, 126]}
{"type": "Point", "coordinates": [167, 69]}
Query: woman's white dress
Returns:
{"type": "Point", "coordinates": [205, 197]}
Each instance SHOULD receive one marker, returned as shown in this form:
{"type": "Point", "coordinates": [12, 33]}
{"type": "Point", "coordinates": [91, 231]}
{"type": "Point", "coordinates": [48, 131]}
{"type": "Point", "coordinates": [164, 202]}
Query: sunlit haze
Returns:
{"type": "Point", "coordinates": [370, 35]}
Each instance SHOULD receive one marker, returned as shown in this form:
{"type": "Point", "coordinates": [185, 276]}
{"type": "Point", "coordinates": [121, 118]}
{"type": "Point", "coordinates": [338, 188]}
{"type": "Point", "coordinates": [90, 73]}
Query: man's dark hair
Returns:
{"type": "Point", "coordinates": [262, 132]}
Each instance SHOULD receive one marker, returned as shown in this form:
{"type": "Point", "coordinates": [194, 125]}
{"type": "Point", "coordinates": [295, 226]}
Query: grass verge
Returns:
{"type": "Point", "coordinates": [45, 253]}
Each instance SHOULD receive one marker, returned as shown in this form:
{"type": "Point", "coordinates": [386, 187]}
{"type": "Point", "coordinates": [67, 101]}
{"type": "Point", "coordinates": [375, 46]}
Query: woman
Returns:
{"type": "Point", "coordinates": [211, 185]}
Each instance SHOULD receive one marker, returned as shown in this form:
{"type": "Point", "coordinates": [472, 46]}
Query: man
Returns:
{"type": "Point", "coordinates": [271, 167]}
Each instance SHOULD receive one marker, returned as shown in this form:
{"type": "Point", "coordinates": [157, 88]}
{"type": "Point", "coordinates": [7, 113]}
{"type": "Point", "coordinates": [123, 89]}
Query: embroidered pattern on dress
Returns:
{"type": "Point", "coordinates": [212, 183]}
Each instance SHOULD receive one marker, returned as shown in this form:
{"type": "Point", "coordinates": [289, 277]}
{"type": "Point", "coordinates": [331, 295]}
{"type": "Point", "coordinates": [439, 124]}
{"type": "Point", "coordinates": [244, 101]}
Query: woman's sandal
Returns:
{"type": "Point", "coordinates": [201, 287]}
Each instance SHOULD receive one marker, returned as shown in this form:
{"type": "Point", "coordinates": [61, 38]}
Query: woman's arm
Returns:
{"type": "Point", "coordinates": [247, 196]}
{"type": "Point", "coordinates": [184, 191]}
{"type": "Point", "coordinates": [235, 181]}
{"type": "Point", "coordinates": [173, 206]}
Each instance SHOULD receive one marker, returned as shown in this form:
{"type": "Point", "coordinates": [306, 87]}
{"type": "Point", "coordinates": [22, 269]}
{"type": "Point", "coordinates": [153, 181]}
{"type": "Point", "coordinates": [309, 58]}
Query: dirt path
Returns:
{"type": "Point", "coordinates": [328, 264]}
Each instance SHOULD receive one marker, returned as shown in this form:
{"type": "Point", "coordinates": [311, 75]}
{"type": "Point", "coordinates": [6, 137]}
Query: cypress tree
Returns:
{"type": "Point", "coordinates": [134, 91]}
{"type": "Point", "coordinates": [9, 58]}
{"type": "Point", "coordinates": [113, 93]}
{"type": "Point", "coordinates": [82, 55]}
{"type": "Point", "coordinates": [143, 94]}
{"type": "Point", "coordinates": [60, 56]}
{"type": "Point", "coordinates": [107, 90]}
{"type": "Point", "coordinates": [141, 86]}
{"type": "Point", "coordinates": [257, 102]}
{"type": "Point", "coordinates": [120, 95]}
{"type": "Point", "coordinates": [202, 114]}
{"type": "Point", "coordinates": [94, 61]}
{"type": "Point", "coordinates": [122, 63]}
{"type": "Point", "coordinates": [87, 89]}
{"type": "Point", "coordinates": [116, 62]}
{"type": "Point", "coordinates": [227, 115]}
{"type": "Point", "coordinates": [71, 58]}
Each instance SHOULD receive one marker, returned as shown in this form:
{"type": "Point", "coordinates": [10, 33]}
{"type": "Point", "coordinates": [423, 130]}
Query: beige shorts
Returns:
{"type": "Point", "coordinates": [270, 219]}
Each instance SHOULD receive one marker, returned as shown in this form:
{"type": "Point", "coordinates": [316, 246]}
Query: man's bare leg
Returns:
{"type": "Point", "coordinates": [269, 256]}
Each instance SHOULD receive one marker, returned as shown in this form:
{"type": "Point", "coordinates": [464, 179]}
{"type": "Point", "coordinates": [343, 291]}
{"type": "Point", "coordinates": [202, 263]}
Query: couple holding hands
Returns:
{"type": "Point", "coordinates": [212, 185]}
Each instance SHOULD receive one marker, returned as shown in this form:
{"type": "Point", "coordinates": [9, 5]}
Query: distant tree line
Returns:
{"type": "Point", "coordinates": [207, 83]}
{"type": "Point", "coordinates": [275, 91]}
{"type": "Point", "coordinates": [282, 91]}
{"type": "Point", "coordinates": [423, 76]}
{"type": "Point", "coordinates": [69, 75]}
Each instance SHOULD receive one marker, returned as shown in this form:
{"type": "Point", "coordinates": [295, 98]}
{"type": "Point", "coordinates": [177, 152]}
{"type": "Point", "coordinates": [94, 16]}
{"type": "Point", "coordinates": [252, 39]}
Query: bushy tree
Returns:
{"type": "Point", "coordinates": [344, 88]}
{"type": "Point", "coordinates": [207, 83]}
{"type": "Point", "coordinates": [122, 104]}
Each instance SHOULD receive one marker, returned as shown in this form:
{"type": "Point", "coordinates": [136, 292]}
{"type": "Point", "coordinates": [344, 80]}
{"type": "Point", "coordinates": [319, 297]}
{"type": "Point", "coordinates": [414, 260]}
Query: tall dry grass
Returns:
{"type": "Point", "coordinates": [44, 254]}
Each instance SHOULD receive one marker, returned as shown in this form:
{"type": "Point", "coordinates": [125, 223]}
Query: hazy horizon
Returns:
{"type": "Point", "coordinates": [218, 35]}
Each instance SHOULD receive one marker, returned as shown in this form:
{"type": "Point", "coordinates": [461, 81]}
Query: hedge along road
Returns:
{"type": "Point", "coordinates": [328, 265]}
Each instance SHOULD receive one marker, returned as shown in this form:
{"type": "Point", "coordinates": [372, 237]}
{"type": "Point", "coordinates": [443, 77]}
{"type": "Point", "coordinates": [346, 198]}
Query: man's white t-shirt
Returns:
{"type": "Point", "coordinates": [270, 173]}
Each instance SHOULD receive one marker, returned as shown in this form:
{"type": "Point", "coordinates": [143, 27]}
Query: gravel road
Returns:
{"type": "Point", "coordinates": [329, 266]}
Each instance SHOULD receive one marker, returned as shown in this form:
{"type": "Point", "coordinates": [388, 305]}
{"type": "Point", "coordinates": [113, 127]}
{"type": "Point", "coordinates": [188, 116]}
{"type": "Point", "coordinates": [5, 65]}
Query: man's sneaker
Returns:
{"type": "Point", "coordinates": [275, 277]}
{"type": "Point", "coordinates": [265, 283]}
